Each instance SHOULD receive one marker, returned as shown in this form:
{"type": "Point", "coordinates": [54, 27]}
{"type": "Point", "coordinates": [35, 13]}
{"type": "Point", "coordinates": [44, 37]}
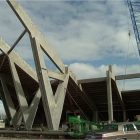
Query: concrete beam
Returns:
{"type": "Point", "coordinates": [31, 28]}
{"type": "Point", "coordinates": [18, 87]}
{"type": "Point", "coordinates": [31, 112]}
{"type": "Point", "coordinates": [129, 91]}
{"type": "Point", "coordinates": [37, 46]}
{"type": "Point", "coordinates": [52, 104]}
{"type": "Point", "coordinates": [118, 77]}
{"type": "Point", "coordinates": [91, 80]}
{"type": "Point", "coordinates": [27, 112]}
{"type": "Point", "coordinates": [18, 60]}
{"type": "Point", "coordinates": [127, 76]}
{"type": "Point", "coordinates": [55, 74]}
{"type": "Point", "coordinates": [15, 116]}
{"type": "Point", "coordinates": [24, 66]}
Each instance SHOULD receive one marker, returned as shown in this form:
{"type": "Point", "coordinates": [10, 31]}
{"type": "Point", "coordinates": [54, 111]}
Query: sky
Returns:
{"type": "Point", "coordinates": [88, 36]}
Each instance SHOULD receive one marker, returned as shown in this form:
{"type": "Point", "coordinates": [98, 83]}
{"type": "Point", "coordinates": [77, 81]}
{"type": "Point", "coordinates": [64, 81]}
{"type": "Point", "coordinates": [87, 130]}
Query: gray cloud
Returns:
{"type": "Point", "coordinates": [100, 28]}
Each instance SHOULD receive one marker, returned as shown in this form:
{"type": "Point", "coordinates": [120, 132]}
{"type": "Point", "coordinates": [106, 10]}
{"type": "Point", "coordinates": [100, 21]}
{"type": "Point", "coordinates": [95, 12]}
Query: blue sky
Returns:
{"type": "Point", "coordinates": [86, 35]}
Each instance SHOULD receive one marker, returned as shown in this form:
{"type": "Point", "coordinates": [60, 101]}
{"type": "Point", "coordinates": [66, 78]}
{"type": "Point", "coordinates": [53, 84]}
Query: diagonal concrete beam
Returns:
{"type": "Point", "coordinates": [18, 60]}
{"type": "Point", "coordinates": [15, 116]}
{"type": "Point", "coordinates": [31, 112]}
{"type": "Point", "coordinates": [28, 112]}
{"type": "Point", "coordinates": [31, 28]}
{"type": "Point", "coordinates": [24, 66]}
{"type": "Point", "coordinates": [52, 104]}
{"type": "Point", "coordinates": [28, 24]}
{"type": "Point", "coordinates": [55, 75]}
{"type": "Point", "coordinates": [34, 33]}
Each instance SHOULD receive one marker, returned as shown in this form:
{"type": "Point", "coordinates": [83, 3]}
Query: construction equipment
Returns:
{"type": "Point", "coordinates": [134, 8]}
{"type": "Point", "coordinates": [81, 127]}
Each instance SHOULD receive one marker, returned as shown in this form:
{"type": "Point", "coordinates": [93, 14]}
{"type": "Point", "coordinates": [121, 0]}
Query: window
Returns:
{"type": "Point", "coordinates": [137, 126]}
{"type": "Point", "coordinates": [110, 127]}
{"type": "Point", "coordinates": [125, 128]}
{"type": "Point", "coordinates": [130, 127]}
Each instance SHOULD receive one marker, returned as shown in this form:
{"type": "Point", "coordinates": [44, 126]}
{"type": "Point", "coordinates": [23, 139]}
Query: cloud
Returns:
{"type": "Point", "coordinates": [86, 35]}
{"type": "Point", "coordinates": [87, 71]}
{"type": "Point", "coordinates": [77, 31]}
{"type": "Point", "coordinates": [84, 71]}
{"type": "Point", "coordinates": [83, 32]}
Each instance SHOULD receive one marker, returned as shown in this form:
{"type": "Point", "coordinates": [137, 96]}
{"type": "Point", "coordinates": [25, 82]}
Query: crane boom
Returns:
{"type": "Point", "coordinates": [134, 8]}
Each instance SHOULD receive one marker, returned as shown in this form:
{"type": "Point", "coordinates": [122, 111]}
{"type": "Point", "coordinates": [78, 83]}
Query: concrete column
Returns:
{"type": "Point", "coordinates": [109, 96]}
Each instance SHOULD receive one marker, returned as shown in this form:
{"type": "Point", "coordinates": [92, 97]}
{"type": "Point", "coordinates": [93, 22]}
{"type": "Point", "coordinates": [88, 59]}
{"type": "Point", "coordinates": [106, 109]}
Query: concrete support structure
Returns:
{"type": "Point", "coordinates": [109, 96]}
{"type": "Point", "coordinates": [14, 115]}
{"type": "Point", "coordinates": [53, 104]}
{"type": "Point", "coordinates": [28, 113]}
{"type": "Point", "coordinates": [111, 80]}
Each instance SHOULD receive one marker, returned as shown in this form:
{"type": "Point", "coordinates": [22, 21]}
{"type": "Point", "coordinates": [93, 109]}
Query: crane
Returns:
{"type": "Point", "coordinates": [134, 8]}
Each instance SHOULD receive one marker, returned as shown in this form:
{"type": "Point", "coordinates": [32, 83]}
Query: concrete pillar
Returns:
{"type": "Point", "coordinates": [109, 95]}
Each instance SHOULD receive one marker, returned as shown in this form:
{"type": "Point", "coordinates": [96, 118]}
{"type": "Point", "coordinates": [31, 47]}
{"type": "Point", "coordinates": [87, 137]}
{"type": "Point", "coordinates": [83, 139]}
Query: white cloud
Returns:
{"type": "Point", "coordinates": [77, 31]}
{"type": "Point", "coordinates": [84, 31]}
{"type": "Point", "coordinates": [84, 71]}
{"type": "Point", "coordinates": [87, 71]}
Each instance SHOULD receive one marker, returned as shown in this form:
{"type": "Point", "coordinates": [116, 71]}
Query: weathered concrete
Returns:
{"type": "Point", "coordinates": [15, 116]}
{"type": "Point", "coordinates": [109, 96]}
{"type": "Point", "coordinates": [28, 113]}
{"type": "Point", "coordinates": [117, 89]}
{"type": "Point", "coordinates": [52, 104]}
